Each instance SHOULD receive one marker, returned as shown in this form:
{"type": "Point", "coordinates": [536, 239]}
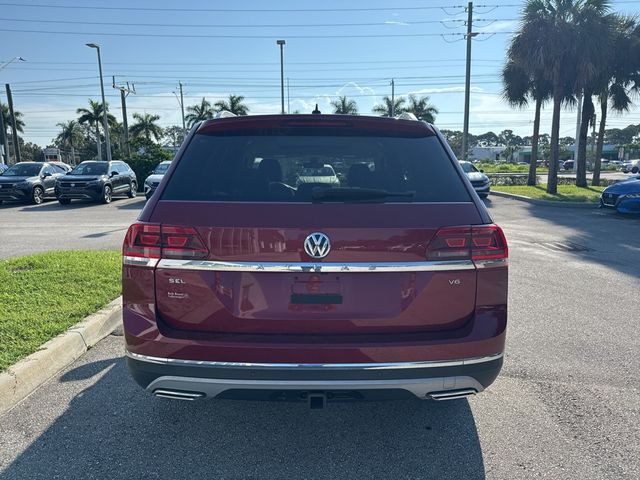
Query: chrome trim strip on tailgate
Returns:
{"type": "Point", "coordinates": [302, 267]}
{"type": "Point", "coordinates": [276, 366]}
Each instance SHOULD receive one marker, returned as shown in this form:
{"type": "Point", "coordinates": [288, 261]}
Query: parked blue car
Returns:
{"type": "Point", "coordinates": [623, 196]}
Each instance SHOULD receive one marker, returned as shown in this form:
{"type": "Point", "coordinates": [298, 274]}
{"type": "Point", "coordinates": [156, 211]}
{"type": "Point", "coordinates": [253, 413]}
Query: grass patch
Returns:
{"type": "Point", "coordinates": [566, 193]}
{"type": "Point", "coordinates": [42, 295]}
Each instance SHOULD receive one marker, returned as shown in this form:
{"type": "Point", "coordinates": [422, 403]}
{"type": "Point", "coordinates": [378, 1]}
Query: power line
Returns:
{"type": "Point", "coordinates": [232, 10]}
{"type": "Point", "coordinates": [389, 23]}
{"type": "Point", "coordinates": [345, 62]}
{"type": "Point", "coordinates": [169, 35]}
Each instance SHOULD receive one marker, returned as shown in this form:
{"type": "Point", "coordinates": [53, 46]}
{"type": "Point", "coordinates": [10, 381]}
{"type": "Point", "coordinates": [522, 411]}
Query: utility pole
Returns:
{"type": "Point", "coordinates": [14, 130]}
{"type": "Point", "coordinates": [281, 43]}
{"type": "Point", "coordinates": [392, 110]}
{"type": "Point", "coordinates": [467, 82]}
{"type": "Point", "coordinates": [184, 128]}
{"type": "Point", "coordinates": [3, 138]}
{"type": "Point", "coordinates": [288, 98]}
{"type": "Point", "coordinates": [124, 93]}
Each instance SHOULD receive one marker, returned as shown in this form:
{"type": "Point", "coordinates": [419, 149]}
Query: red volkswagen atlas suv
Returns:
{"type": "Point", "coordinates": [252, 274]}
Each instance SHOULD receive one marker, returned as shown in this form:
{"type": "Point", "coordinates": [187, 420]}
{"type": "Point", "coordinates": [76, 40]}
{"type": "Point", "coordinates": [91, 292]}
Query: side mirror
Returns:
{"type": "Point", "coordinates": [114, 173]}
{"type": "Point", "coordinates": [46, 174]}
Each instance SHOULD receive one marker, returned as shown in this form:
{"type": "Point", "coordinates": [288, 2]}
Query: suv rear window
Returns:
{"type": "Point", "coordinates": [297, 168]}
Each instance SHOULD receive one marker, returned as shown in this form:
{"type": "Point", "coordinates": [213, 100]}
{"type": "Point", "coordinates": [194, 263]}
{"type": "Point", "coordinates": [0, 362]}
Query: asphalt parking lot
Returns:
{"type": "Point", "coordinates": [26, 229]}
{"type": "Point", "coordinates": [567, 404]}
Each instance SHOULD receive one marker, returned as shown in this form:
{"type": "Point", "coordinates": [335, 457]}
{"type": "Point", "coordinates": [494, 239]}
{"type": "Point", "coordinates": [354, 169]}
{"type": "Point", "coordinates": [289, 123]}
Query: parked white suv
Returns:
{"type": "Point", "coordinates": [632, 166]}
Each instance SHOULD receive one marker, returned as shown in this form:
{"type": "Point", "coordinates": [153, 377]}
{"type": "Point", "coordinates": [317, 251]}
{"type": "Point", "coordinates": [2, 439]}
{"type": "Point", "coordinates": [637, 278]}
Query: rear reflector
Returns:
{"type": "Point", "coordinates": [151, 240]}
{"type": "Point", "coordinates": [468, 243]}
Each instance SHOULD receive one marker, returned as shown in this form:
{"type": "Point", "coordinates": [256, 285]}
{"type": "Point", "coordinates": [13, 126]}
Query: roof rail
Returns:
{"type": "Point", "coordinates": [224, 114]}
{"type": "Point", "coordinates": [406, 116]}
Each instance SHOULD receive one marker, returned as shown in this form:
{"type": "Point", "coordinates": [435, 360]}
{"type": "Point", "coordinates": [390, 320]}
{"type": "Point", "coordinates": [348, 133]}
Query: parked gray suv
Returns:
{"type": "Point", "coordinates": [97, 181]}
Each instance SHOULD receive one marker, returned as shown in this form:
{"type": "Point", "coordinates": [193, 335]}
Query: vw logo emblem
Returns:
{"type": "Point", "coordinates": [317, 245]}
{"type": "Point", "coordinates": [73, 184]}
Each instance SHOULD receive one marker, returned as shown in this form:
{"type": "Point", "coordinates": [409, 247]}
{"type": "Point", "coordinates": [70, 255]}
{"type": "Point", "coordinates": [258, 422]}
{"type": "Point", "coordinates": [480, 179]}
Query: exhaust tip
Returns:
{"type": "Point", "coordinates": [452, 394]}
{"type": "Point", "coordinates": [178, 394]}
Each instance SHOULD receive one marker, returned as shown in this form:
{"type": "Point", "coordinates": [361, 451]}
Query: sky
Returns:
{"type": "Point", "coordinates": [217, 48]}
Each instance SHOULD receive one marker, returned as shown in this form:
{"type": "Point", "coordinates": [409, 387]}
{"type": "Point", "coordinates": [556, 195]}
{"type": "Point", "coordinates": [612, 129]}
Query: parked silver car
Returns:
{"type": "Point", "coordinates": [481, 183]}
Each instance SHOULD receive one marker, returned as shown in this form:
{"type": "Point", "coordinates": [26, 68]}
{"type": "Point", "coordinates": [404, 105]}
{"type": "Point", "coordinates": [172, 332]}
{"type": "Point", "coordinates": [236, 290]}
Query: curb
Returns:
{"type": "Point", "coordinates": [545, 203]}
{"type": "Point", "coordinates": [22, 378]}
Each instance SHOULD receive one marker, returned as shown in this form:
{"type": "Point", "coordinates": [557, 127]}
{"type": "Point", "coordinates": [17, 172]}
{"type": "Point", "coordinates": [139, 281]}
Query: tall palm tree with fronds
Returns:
{"type": "Point", "coordinates": [70, 135]}
{"type": "Point", "coordinates": [421, 108]}
{"type": "Point", "coordinates": [146, 126]}
{"type": "Point", "coordinates": [343, 106]}
{"type": "Point", "coordinates": [385, 109]}
{"type": "Point", "coordinates": [199, 112]}
{"type": "Point", "coordinates": [233, 104]}
{"type": "Point", "coordinates": [620, 78]}
{"type": "Point", "coordinates": [553, 39]}
{"type": "Point", "coordinates": [93, 116]}
{"type": "Point", "coordinates": [519, 87]}
{"type": "Point", "coordinates": [6, 119]}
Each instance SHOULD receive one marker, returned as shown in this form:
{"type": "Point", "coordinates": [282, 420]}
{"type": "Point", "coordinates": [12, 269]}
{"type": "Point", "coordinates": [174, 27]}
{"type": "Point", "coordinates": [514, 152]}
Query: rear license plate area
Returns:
{"type": "Point", "coordinates": [316, 299]}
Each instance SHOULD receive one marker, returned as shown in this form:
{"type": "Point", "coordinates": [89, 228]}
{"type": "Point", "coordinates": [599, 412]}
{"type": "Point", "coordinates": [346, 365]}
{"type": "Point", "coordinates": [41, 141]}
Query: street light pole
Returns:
{"type": "Point", "coordinates": [6, 64]}
{"type": "Point", "coordinates": [281, 43]}
{"type": "Point", "coordinates": [104, 103]}
{"type": "Point", "coordinates": [392, 110]}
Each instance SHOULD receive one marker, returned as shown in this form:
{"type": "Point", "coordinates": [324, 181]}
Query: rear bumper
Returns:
{"type": "Point", "coordinates": [198, 379]}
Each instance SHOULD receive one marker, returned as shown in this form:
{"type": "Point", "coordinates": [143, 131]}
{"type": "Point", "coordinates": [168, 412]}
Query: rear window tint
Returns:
{"type": "Point", "coordinates": [292, 168]}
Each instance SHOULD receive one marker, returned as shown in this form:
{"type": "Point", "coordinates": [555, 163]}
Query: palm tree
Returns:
{"type": "Point", "coordinates": [146, 126]}
{"type": "Point", "coordinates": [421, 108]}
{"type": "Point", "coordinates": [199, 112]}
{"type": "Point", "coordinates": [93, 116]}
{"type": "Point", "coordinates": [233, 104]}
{"type": "Point", "coordinates": [519, 86]}
{"type": "Point", "coordinates": [70, 136]}
{"type": "Point", "coordinates": [344, 106]}
{"type": "Point", "coordinates": [554, 39]}
{"type": "Point", "coordinates": [385, 109]}
{"type": "Point", "coordinates": [620, 78]}
{"type": "Point", "coordinates": [590, 75]}
{"type": "Point", "coordinates": [6, 119]}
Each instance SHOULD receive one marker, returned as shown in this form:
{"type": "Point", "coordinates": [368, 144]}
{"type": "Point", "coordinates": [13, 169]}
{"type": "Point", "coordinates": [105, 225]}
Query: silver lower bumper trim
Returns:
{"type": "Point", "coordinates": [211, 388]}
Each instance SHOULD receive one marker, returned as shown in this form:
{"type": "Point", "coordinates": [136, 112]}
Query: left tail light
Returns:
{"type": "Point", "coordinates": [151, 240]}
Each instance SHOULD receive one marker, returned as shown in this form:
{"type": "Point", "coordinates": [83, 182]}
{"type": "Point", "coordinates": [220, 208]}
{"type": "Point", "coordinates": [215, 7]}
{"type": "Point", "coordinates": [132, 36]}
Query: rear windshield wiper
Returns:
{"type": "Point", "coordinates": [338, 194]}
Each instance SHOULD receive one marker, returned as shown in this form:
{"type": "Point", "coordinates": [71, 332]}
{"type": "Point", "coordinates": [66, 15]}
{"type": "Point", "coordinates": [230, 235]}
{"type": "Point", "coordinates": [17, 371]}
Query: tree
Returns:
{"type": "Point", "coordinates": [421, 108]}
{"type": "Point", "coordinates": [519, 86]}
{"type": "Point", "coordinates": [174, 135]}
{"type": "Point", "coordinates": [589, 77]}
{"type": "Point", "coordinates": [555, 41]}
{"type": "Point", "coordinates": [344, 106]}
{"type": "Point", "coordinates": [488, 139]}
{"type": "Point", "coordinates": [70, 136]}
{"type": "Point", "coordinates": [6, 119]}
{"type": "Point", "coordinates": [620, 78]}
{"type": "Point", "coordinates": [146, 126]}
{"type": "Point", "coordinates": [233, 104]}
{"type": "Point", "coordinates": [385, 109]}
{"type": "Point", "coordinates": [199, 112]}
{"type": "Point", "coordinates": [93, 117]}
